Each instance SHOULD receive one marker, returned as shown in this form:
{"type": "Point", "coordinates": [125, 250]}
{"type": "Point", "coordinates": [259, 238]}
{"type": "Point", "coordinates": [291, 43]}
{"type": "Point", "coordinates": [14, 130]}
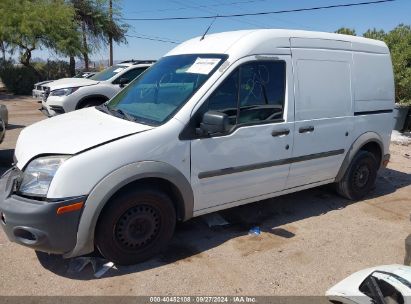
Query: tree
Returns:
{"type": "Point", "coordinates": [375, 34]}
{"type": "Point", "coordinates": [28, 25]}
{"type": "Point", "coordinates": [95, 22]}
{"type": "Point", "coordinates": [346, 31]}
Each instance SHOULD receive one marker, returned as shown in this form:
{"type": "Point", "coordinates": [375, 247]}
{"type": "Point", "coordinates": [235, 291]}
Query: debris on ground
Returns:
{"type": "Point", "coordinates": [214, 220]}
{"type": "Point", "coordinates": [103, 269]}
{"type": "Point", "coordinates": [254, 231]}
{"type": "Point", "coordinates": [399, 138]}
{"type": "Point", "coordinates": [100, 266]}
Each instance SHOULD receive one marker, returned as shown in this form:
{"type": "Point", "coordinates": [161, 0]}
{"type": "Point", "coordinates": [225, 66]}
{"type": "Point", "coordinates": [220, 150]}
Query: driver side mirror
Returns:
{"type": "Point", "coordinates": [213, 122]}
{"type": "Point", "coordinates": [123, 81]}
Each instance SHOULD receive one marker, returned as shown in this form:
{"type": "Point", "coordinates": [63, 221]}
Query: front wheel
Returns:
{"type": "Point", "coordinates": [360, 176]}
{"type": "Point", "coordinates": [135, 226]}
{"type": "Point", "coordinates": [90, 103]}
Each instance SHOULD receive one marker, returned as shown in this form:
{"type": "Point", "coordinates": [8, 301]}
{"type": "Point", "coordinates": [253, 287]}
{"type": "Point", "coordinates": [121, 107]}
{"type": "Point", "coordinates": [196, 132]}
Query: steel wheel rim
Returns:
{"type": "Point", "coordinates": [361, 176]}
{"type": "Point", "coordinates": [137, 227]}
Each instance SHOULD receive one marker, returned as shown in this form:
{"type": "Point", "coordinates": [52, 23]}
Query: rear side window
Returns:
{"type": "Point", "coordinates": [253, 93]}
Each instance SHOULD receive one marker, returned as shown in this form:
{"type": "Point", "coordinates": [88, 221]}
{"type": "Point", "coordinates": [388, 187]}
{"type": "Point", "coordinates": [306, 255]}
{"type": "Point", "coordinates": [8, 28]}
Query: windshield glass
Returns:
{"type": "Point", "coordinates": [159, 92]}
{"type": "Point", "coordinates": [108, 73]}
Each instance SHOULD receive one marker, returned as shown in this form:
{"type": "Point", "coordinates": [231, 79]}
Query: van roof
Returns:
{"type": "Point", "coordinates": [265, 41]}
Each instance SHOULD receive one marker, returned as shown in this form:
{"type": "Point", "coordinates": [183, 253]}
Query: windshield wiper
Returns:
{"type": "Point", "coordinates": [125, 114]}
{"type": "Point", "coordinates": [116, 112]}
{"type": "Point", "coordinates": [103, 108]}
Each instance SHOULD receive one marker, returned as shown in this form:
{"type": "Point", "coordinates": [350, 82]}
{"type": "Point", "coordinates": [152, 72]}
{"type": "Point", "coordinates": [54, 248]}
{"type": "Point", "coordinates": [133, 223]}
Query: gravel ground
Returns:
{"type": "Point", "coordinates": [309, 241]}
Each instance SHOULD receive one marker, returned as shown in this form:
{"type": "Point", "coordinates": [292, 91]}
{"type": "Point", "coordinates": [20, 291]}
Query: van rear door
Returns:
{"type": "Point", "coordinates": [323, 109]}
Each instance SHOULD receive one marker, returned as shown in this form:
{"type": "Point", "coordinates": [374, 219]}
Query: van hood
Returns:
{"type": "Point", "coordinates": [70, 83]}
{"type": "Point", "coordinates": [72, 133]}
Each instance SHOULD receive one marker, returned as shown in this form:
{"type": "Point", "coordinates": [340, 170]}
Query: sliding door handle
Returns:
{"type": "Point", "coordinates": [306, 129]}
{"type": "Point", "coordinates": [276, 133]}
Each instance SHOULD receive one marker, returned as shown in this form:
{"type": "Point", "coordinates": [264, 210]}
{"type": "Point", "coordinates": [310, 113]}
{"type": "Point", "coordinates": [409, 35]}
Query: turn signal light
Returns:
{"type": "Point", "coordinates": [70, 208]}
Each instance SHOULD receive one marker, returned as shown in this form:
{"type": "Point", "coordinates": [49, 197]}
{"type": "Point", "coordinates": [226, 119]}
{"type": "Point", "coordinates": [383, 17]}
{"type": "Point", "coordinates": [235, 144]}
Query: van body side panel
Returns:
{"type": "Point", "coordinates": [323, 108]}
{"type": "Point", "coordinates": [373, 81]}
{"type": "Point", "coordinates": [374, 94]}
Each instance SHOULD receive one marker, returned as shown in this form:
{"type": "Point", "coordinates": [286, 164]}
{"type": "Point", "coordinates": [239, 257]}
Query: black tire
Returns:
{"type": "Point", "coordinates": [91, 103]}
{"type": "Point", "coordinates": [135, 226]}
{"type": "Point", "coordinates": [359, 177]}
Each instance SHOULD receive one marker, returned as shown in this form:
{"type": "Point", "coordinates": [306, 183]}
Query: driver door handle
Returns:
{"type": "Point", "coordinates": [277, 133]}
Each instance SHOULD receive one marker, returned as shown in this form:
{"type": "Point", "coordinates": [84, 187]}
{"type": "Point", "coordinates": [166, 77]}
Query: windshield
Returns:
{"type": "Point", "coordinates": [159, 92]}
{"type": "Point", "coordinates": [108, 73]}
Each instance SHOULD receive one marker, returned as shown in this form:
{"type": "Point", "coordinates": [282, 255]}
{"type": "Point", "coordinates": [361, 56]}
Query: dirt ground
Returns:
{"type": "Point", "coordinates": [309, 241]}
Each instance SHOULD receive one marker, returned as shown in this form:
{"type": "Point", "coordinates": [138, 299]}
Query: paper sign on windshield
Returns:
{"type": "Point", "coordinates": [203, 65]}
{"type": "Point", "coordinates": [118, 70]}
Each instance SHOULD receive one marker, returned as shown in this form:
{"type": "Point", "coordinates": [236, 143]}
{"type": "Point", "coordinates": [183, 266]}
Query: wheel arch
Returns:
{"type": "Point", "coordinates": [146, 172]}
{"type": "Point", "coordinates": [83, 100]}
{"type": "Point", "coordinates": [369, 141]}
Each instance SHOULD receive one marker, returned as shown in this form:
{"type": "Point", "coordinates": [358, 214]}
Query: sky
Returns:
{"type": "Point", "coordinates": [381, 16]}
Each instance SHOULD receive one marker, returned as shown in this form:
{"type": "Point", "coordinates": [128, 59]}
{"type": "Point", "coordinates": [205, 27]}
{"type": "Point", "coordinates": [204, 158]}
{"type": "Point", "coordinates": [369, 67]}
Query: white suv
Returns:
{"type": "Point", "coordinates": [69, 94]}
{"type": "Point", "coordinates": [218, 122]}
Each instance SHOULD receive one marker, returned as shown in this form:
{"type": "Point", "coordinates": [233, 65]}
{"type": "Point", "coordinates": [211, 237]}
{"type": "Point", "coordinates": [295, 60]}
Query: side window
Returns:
{"type": "Point", "coordinates": [130, 75]}
{"type": "Point", "coordinates": [253, 93]}
{"type": "Point", "coordinates": [225, 98]}
{"type": "Point", "coordinates": [262, 91]}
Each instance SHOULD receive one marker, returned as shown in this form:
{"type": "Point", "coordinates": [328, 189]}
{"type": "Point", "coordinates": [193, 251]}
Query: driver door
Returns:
{"type": "Point", "coordinates": [250, 160]}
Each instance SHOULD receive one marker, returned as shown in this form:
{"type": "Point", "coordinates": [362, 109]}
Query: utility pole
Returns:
{"type": "Point", "coordinates": [110, 38]}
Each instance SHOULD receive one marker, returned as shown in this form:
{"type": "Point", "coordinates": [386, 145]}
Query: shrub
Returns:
{"type": "Point", "coordinates": [20, 79]}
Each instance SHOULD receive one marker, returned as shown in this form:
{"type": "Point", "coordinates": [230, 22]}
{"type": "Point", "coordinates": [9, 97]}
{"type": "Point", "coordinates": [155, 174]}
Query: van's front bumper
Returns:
{"type": "Point", "coordinates": [35, 223]}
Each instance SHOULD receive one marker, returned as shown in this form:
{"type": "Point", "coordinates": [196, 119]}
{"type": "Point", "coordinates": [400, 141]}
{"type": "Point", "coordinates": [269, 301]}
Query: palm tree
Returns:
{"type": "Point", "coordinates": [94, 21]}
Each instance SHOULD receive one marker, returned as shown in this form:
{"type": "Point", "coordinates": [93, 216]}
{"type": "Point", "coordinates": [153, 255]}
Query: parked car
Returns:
{"type": "Point", "coordinates": [69, 94]}
{"type": "Point", "coordinates": [4, 115]}
{"type": "Point", "coordinates": [218, 122]}
{"type": "Point", "coordinates": [387, 284]}
{"type": "Point", "coordinates": [85, 74]}
{"type": "Point", "coordinates": [39, 88]}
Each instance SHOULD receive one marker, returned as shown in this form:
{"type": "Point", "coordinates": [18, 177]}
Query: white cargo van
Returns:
{"type": "Point", "coordinates": [218, 122]}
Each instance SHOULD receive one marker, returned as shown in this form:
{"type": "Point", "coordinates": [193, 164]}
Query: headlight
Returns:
{"type": "Point", "coordinates": [38, 175]}
{"type": "Point", "coordinates": [63, 92]}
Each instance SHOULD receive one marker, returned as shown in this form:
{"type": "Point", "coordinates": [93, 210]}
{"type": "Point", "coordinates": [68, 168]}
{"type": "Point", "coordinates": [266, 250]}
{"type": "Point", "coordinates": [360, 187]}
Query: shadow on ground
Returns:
{"type": "Point", "coordinates": [193, 238]}
{"type": "Point", "coordinates": [12, 126]}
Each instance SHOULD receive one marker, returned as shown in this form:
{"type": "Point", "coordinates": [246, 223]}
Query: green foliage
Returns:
{"type": "Point", "coordinates": [346, 31]}
{"type": "Point", "coordinates": [97, 25]}
{"type": "Point", "coordinates": [28, 25]}
{"type": "Point", "coordinates": [19, 79]}
{"type": "Point", "coordinates": [52, 69]}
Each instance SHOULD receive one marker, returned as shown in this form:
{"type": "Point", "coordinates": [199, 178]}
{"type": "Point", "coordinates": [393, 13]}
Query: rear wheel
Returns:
{"type": "Point", "coordinates": [135, 226]}
{"type": "Point", "coordinates": [360, 176]}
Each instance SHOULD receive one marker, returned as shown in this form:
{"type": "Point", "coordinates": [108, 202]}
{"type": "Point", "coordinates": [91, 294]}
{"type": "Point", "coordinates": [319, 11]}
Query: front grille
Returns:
{"type": "Point", "coordinates": [57, 109]}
